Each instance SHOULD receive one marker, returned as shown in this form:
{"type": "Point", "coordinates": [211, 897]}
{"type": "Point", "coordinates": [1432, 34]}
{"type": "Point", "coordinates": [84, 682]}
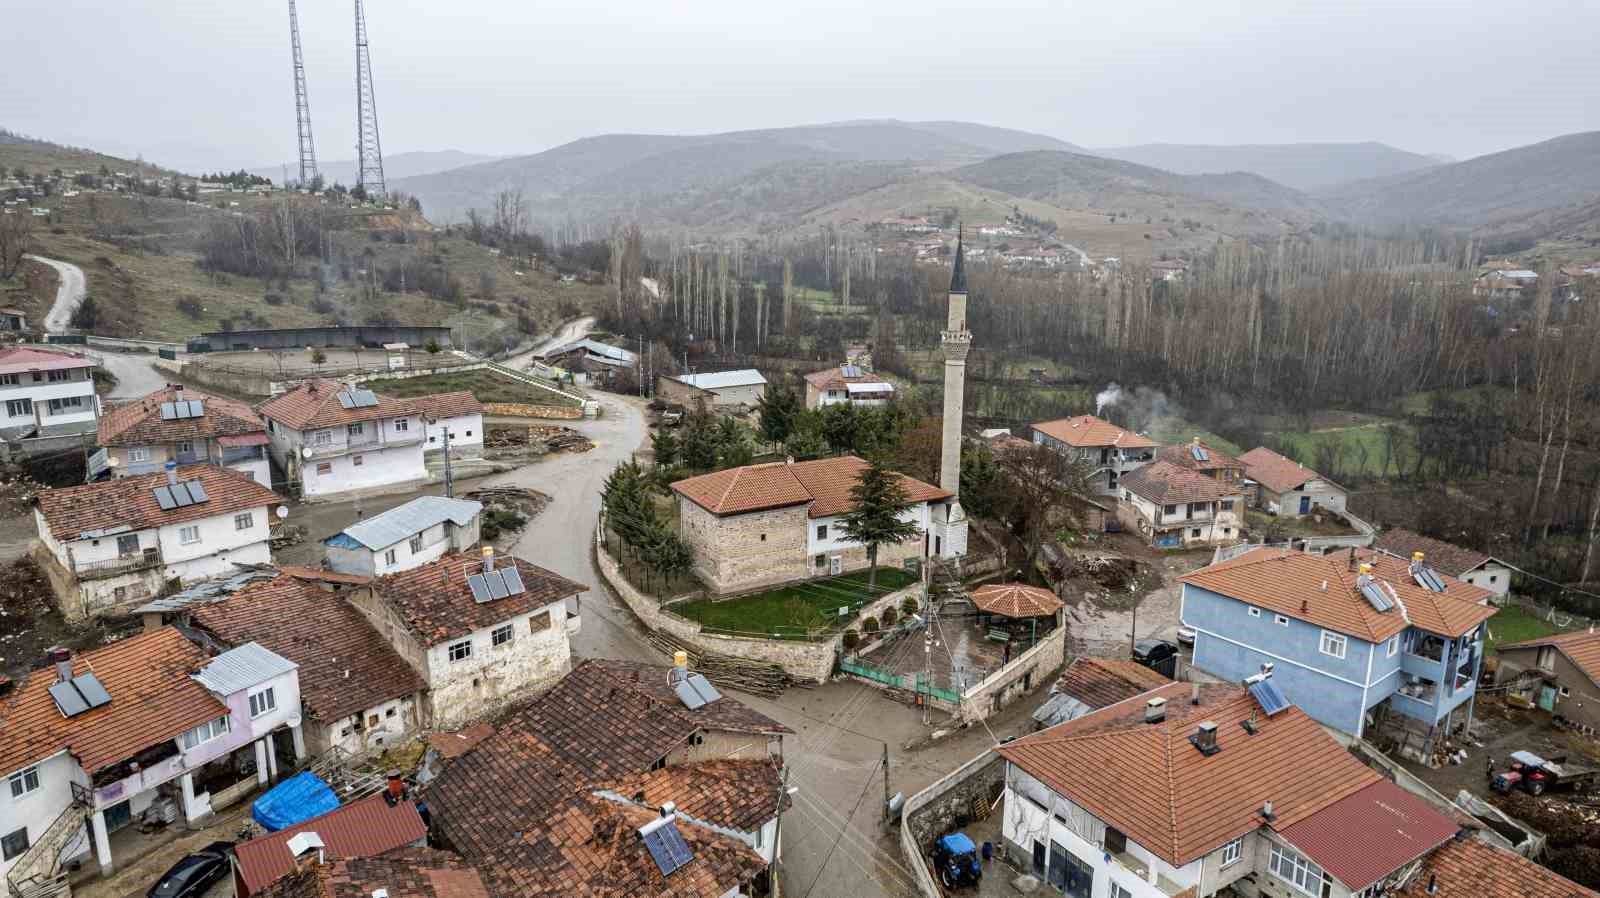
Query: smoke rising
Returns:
{"type": "Point", "coordinates": [1107, 397]}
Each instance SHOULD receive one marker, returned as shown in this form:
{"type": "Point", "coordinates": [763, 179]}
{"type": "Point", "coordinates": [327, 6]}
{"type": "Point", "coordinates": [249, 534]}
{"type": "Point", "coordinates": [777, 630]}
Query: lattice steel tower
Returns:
{"type": "Point", "coordinates": [369, 152]}
{"type": "Point", "coordinates": [302, 106]}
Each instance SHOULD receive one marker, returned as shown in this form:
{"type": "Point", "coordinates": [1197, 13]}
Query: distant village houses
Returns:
{"type": "Point", "coordinates": [718, 390]}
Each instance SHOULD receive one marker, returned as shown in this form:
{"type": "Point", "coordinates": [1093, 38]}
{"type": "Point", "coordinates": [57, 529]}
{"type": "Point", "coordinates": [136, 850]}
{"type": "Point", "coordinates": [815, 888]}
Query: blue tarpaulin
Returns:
{"type": "Point", "coordinates": [298, 798]}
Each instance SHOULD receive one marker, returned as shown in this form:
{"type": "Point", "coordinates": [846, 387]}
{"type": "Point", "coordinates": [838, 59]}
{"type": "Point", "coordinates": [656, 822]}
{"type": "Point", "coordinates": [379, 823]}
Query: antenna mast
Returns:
{"type": "Point", "coordinates": [302, 106]}
{"type": "Point", "coordinates": [369, 152]}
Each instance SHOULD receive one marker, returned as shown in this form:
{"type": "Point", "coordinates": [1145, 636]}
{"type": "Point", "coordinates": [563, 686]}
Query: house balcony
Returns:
{"type": "Point", "coordinates": [369, 443]}
{"type": "Point", "coordinates": [141, 773]}
{"type": "Point", "coordinates": [122, 564]}
{"type": "Point", "coordinates": [1430, 669]}
{"type": "Point", "coordinates": [243, 455]}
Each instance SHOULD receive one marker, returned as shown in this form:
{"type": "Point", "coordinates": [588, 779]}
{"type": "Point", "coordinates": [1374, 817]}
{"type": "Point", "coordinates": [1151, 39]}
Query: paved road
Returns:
{"type": "Point", "coordinates": [69, 293]}
{"type": "Point", "coordinates": [576, 329]}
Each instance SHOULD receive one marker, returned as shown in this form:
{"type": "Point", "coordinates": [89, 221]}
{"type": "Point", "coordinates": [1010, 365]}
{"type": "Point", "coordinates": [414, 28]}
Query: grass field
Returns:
{"type": "Point", "coordinates": [1352, 441]}
{"type": "Point", "coordinates": [1513, 624]}
{"type": "Point", "coordinates": [487, 386]}
{"type": "Point", "coordinates": [788, 611]}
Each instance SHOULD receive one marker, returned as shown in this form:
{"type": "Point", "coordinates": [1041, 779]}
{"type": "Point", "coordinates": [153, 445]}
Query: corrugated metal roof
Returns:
{"type": "Point", "coordinates": [364, 828]}
{"type": "Point", "coordinates": [206, 592]}
{"type": "Point", "coordinates": [1367, 835]}
{"type": "Point", "coordinates": [406, 521]}
{"type": "Point", "coordinates": [239, 668]}
{"type": "Point", "coordinates": [722, 379]}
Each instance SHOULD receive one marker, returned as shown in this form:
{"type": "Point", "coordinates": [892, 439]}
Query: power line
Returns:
{"type": "Point", "coordinates": [849, 817]}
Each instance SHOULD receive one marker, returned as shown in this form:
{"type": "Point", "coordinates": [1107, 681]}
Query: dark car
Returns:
{"type": "Point", "coordinates": [1151, 652]}
{"type": "Point", "coordinates": [195, 873]}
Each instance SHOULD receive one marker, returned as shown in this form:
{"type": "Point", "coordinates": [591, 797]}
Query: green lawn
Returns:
{"type": "Point", "coordinates": [488, 386]}
{"type": "Point", "coordinates": [788, 611]}
{"type": "Point", "coordinates": [1513, 624]}
{"type": "Point", "coordinates": [1352, 440]}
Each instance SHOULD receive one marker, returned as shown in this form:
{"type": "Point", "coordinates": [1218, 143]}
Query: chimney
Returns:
{"type": "Point", "coordinates": [1194, 693]}
{"type": "Point", "coordinates": [177, 392]}
{"type": "Point", "coordinates": [1433, 884]}
{"type": "Point", "coordinates": [1205, 738]}
{"type": "Point", "coordinates": [488, 559]}
{"type": "Point", "coordinates": [151, 620]}
{"type": "Point", "coordinates": [395, 790]}
{"type": "Point", "coordinates": [1266, 812]}
{"type": "Point", "coordinates": [61, 657]}
{"type": "Point", "coordinates": [1352, 558]}
{"type": "Point", "coordinates": [1155, 710]}
{"type": "Point", "coordinates": [172, 473]}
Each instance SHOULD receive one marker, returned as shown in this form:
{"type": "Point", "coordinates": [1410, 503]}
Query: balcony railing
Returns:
{"type": "Point", "coordinates": [122, 564]}
{"type": "Point", "coordinates": [367, 443]}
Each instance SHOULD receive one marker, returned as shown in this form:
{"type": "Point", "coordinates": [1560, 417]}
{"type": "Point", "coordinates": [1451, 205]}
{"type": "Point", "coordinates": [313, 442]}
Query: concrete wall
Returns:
{"type": "Point", "coordinates": [739, 553]}
{"type": "Point", "coordinates": [38, 809]}
{"type": "Point", "coordinates": [357, 734]}
{"type": "Point", "coordinates": [1492, 576]}
{"type": "Point", "coordinates": [1009, 683]}
{"type": "Point", "coordinates": [299, 337]}
{"type": "Point", "coordinates": [524, 410]}
{"type": "Point", "coordinates": [1215, 524]}
{"type": "Point", "coordinates": [76, 383]}
{"type": "Point", "coordinates": [393, 468]}
{"type": "Point", "coordinates": [436, 541]}
{"type": "Point", "coordinates": [466, 435]}
{"type": "Point", "coordinates": [671, 390]}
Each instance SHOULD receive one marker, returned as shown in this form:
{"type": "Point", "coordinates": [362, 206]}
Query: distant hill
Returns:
{"type": "Point", "coordinates": [988, 137]}
{"type": "Point", "coordinates": [399, 165]}
{"type": "Point", "coordinates": [1303, 166]}
{"type": "Point", "coordinates": [1486, 191]}
{"type": "Point", "coordinates": [42, 156]}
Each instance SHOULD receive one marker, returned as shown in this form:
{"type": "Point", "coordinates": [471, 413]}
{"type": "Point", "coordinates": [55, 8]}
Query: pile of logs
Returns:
{"type": "Point", "coordinates": [755, 677]}
{"type": "Point", "coordinates": [542, 437]}
{"type": "Point", "coordinates": [286, 535]}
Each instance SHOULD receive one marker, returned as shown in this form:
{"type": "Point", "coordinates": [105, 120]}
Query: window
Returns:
{"type": "Point", "coordinates": [388, 557]}
{"type": "Point", "coordinates": [1393, 646]}
{"type": "Point", "coordinates": [139, 453]}
{"type": "Point", "coordinates": [461, 650]}
{"type": "Point", "coordinates": [57, 377]}
{"type": "Point", "coordinates": [1127, 496]}
{"type": "Point", "coordinates": [1227, 505]}
{"type": "Point", "coordinates": [357, 461]}
{"type": "Point", "coordinates": [14, 843]}
{"type": "Point", "coordinates": [820, 560]}
{"type": "Point", "coordinates": [1333, 644]}
{"type": "Point", "coordinates": [322, 438]}
{"type": "Point", "coordinates": [1169, 509]}
{"type": "Point", "coordinates": [324, 468]}
{"type": "Point", "coordinates": [1565, 692]}
{"type": "Point", "coordinates": [1254, 611]}
{"type": "Point", "coordinates": [205, 732]}
{"type": "Point", "coordinates": [763, 537]}
{"type": "Point", "coordinates": [24, 781]}
{"type": "Point", "coordinates": [120, 593]}
{"type": "Point", "coordinates": [469, 433]}
{"type": "Point", "coordinates": [1118, 891]}
{"type": "Point", "coordinates": [189, 534]}
{"type": "Point", "coordinates": [262, 702]}
{"type": "Point", "coordinates": [1232, 851]}
{"type": "Point", "coordinates": [373, 720]}
{"type": "Point", "coordinates": [1493, 577]}
{"type": "Point", "coordinates": [389, 713]}
{"type": "Point", "coordinates": [416, 544]}
{"type": "Point", "coordinates": [185, 447]}
{"type": "Point", "coordinates": [16, 408]}
{"type": "Point", "coordinates": [1295, 870]}
{"type": "Point", "coordinates": [354, 429]}
{"type": "Point", "coordinates": [822, 531]}
{"type": "Point", "coordinates": [1194, 532]}
{"type": "Point", "coordinates": [9, 380]}
{"type": "Point", "coordinates": [244, 521]}
{"type": "Point", "coordinates": [540, 621]}
{"type": "Point", "coordinates": [65, 404]}
{"type": "Point", "coordinates": [402, 424]}
{"type": "Point", "coordinates": [500, 635]}
{"type": "Point", "coordinates": [1280, 620]}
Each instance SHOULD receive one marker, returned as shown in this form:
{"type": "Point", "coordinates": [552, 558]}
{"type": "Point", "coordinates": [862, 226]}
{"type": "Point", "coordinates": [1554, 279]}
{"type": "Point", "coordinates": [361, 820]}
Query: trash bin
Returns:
{"type": "Point", "coordinates": [988, 852]}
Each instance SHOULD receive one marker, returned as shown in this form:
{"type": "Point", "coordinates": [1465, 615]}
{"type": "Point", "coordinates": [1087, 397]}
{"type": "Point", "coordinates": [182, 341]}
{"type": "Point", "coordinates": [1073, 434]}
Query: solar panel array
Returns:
{"type": "Point", "coordinates": [180, 495]}
{"type": "Point", "coordinates": [1199, 452]}
{"type": "Point", "coordinates": [357, 398]}
{"type": "Point", "coordinates": [495, 584]}
{"type": "Point", "coordinates": [177, 411]}
{"type": "Point", "coordinates": [1372, 590]}
{"type": "Point", "coordinates": [695, 691]}
{"type": "Point", "coordinates": [79, 694]}
{"type": "Point", "coordinates": [1427, 578]}
{"type": "Point", "coordinates": [1269, 696]}
{"type": "Point", "coordinates": [850, 370]}
{"type": "Point", "coordinates": [666, 845]}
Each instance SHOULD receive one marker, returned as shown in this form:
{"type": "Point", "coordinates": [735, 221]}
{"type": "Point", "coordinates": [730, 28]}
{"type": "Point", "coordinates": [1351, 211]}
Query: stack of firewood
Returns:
{"type": "Point", "coordinates": [755, 677]}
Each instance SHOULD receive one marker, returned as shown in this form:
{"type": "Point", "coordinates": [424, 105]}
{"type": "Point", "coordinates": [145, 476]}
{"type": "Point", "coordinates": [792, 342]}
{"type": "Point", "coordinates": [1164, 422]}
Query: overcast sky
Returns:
{"type": "Point", "coordinates": [198, 84]}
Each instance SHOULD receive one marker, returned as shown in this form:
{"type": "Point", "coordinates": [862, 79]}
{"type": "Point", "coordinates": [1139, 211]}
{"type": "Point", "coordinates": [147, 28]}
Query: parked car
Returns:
{"type": "Point", "coordinates": [192, 875]}
{"type": "Point", "coordinates": [1151, 652]}
{"type": "Point", "coordinates": [1186, 635]}
{"type": "Point", "coordinates": [956, 859]}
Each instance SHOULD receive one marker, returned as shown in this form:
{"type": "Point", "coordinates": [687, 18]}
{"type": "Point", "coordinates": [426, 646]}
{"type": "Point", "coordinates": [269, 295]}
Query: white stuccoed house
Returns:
{"type": "Point", "coordinates": [185, 426]}
{"type": "Point", "coordinates": [337, 440]}
{"type": "Point", "coordinates": [46, 392]}
{"type": "Point", "coordinates": [111, 545]}
{"type": "Point", "coordinates": [405, 537]}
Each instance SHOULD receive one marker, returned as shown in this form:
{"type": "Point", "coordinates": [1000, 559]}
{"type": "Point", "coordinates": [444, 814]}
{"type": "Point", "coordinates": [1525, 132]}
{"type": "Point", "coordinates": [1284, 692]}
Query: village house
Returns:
{"type": "Point", "coordinates": [480, 632]}
{"type": "Point", "coordinates": [846, 384]}
{"type": "Point", "coordinates": [364, 828]}
{"type": "Point", "coordinates": [1205, 459]}
{"type": "Point", "coordinates": [1559, 673]}
{"type": "Point", "coordinates": [358, 693]}
{"type": "Point", "coordinates": [718, 390]}
{"type": "Point", "coordinates": [405, 536]}
{"type": "Point", "coordinates": [46, 392]}
{"type": "Point", "coordinates": [147, 724]}
{"type": "Point", "coordinates": [1168, 269]}
{"type": "Point", "coordinates": [13, 320]}
{"type": "Point", "coordinates": [458, 414]}
{"type": "Point", "coordinates": [1505, 284]}
{"type": "Point", "coordinates": [335, 440]}
{"type": "Point", "coordinates": [184, 426]}
{"type": "Point", "coordinates": [618, 746]}
{"type": "Point", "coordinates": [1089, 684]}
{"type": "Point", "coordinates": [1471, 868]}
{"type": "Point", "coordinates": [1478, 568]}
{"type": "Point", "coordinates": [1107, 448]}
{"type": "Point", "coordinates": [1175, 507]}
{"type": "Point", "coordinates": [588, 361]}
{"type": "Point", "coordinates": [1287, 488]}
{"type": "Point", "coordinates": [772, 523]}
{"type": "Point", "coordinates": [1352, 639]}
{"type": "Point", "coordinates": [411, 872]}
{"type": "Point", "coordinates": [1234, 783]}
{"type": "Point", "coordinates": [109, 544]}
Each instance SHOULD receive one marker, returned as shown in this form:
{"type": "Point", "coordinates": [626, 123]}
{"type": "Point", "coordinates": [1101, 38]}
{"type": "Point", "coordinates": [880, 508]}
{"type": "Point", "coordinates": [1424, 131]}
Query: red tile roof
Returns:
{"type": "Point", "coordinates": [1088, 431]}
{"type": "Point", "coordinates": [1016, 600]}
{"type": "Point", "coordinates": [1290, 583]}
{"type": "Point", "coordinates": [448, 405]}
{"type": "Point", "coordinates": [437, 605]}
{"type": "Point", "coordinates": [835, 379]}
{"type": "Point", "coordinates": [1099, 682]}
{"type": "Point", "coordinates": [401, 873]}
{"type": "Point", "coordinates": [1474, 869]}
{"type": "Point", "coordinates": [1182, 455]}
{"type": "Point", "coordinates": [1148, 781]}
{"type": "Point", "coordinates": [1582, 648]}
{"type": "Point", "coordinates": [453, 745]}
{"type": "Point", "coordinates": [1275, 472]}
{"type": "Point", "coordinates": [131, 501]}
{"type": "Point", "coordinates": [825, 484]}
{"type": "Point", "coordinates": [139, 423]}
{"type": "Point", "coordinates": [316, 404]}
{"type": "Point", "coordinates": [1439, 555]}
{"type": "Point", "coordinates": [346, 666]}
{"type": "Point", "coordinates": [23, 359]}
{"type": "Point", "coordinates": [739, 795]}
{"type": "Point", "coordinates": [323, 576]}
{"type": "Point", "coordinates": [1163, 482]}
{"type": "Point", "coordinates": [1368, 835]}
{"type": "Point", "coordinates": [359, 829]}
{"type": "Point", "coordinates": [153, 700]}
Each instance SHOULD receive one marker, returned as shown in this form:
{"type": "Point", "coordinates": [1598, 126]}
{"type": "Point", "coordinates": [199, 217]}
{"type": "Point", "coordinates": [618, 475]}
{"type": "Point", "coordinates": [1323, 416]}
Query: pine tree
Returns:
{"type": "Point", "coordinates": [879, 500]}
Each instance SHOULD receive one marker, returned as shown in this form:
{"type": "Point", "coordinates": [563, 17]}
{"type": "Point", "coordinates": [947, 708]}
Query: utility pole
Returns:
{"type": "Point", "coordinates": [886, 781]}
{"type": "Point", "coordinates": [777, 832]}
{"type": "Point", "coordinates": [449, 478]}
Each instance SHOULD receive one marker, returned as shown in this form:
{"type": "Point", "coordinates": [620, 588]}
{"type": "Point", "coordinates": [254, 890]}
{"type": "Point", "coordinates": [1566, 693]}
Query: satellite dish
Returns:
{"type": "Point", "coordinates": [283, 512]}
{"type": "Point", "coordinates": [293, 721]}
{"type": "Point", "coordinates": [113, 461]}
{"type": "Point", "coordinates": [305, 451]}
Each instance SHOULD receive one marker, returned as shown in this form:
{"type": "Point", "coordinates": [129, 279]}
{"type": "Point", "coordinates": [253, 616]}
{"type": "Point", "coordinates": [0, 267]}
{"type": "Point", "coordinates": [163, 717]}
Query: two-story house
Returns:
{"type": "Point", "coordinates": [90, 744]}
{"type": "Point", "coordinates": [405, 536]}
{"type": "Point", "coordinates": [1475, 567]}
{"type": "Point", "coordinates": [481, 632]}
{"type": "Point", "coordinates": [456, 418]}
{"type": "Point", "coordinates": [1176, 507]}
{"type": "Point", "coordinates": [335, 440]}
{"type": "Point", "coordinates": [1188, 789]}
{"type": "Point", "coordinates": [1110, 450]}
{"type": "Point", "coordinates": [46, 392]}
{"type": "Point", "coordinates": [188, 427]}
{"type": "Point", "coordinates": [1204, 458]}
{"type": "Point", "coordinates": [111, 544]}
{"type": "Point", "coordinates": [1353, 638]}
{"type": "Point", "coordinates": [762, 524]}
{"type": "Point", "coordinates": [1285, 487]}
{"type": "Point", "coordinates": [1559, 673]}
{"type": "Point", "coordinates": [846, 384]}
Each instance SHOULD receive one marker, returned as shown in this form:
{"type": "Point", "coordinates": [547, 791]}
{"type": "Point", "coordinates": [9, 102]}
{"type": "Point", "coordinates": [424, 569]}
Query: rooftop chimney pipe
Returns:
{"type": "Point", "coordinates": [668, 809]}
{"type": "Point", "coordinates": [61, 657]}
{"type": "Point", "coordinates": [1155, 710]}
{"type": "Point", "coordinates": [172, 473]}
{"type": "Point", "coordinates": [488, 559]}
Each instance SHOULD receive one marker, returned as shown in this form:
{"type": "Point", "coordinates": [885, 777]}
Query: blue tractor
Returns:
{"type": "Point", "coordinates": [956, 859]}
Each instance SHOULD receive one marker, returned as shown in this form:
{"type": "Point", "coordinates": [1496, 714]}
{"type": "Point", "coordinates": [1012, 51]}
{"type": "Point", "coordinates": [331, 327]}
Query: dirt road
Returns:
{"type": "Point", "coordinates": [69, 293]}
{"type": "Point", "coordinates": [576, 329]}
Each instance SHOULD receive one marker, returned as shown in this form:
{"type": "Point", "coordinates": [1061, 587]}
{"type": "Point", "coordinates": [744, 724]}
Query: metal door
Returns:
{"type": "Point", "coordinates": [1305, 504]}
{"type": "Point", "coordinates": [1547, 698]}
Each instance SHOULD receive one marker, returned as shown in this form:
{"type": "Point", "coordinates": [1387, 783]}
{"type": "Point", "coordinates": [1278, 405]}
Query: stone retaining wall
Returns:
{"type": "Point", "coordinates": [932, 812]}
{"type": "Point", "coordinates": [1026, 671]}
{"type": "Point", "coordinates": [523, 410]}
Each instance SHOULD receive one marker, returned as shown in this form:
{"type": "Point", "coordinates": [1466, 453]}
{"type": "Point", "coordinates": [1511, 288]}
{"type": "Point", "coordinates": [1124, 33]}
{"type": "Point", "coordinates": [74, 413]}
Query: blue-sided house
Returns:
{"type": "Point", "coordinates": [1358, 640]}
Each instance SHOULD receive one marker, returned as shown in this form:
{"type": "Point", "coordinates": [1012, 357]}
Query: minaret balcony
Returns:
{"type": "Point", "coordinates": [962, 336]}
